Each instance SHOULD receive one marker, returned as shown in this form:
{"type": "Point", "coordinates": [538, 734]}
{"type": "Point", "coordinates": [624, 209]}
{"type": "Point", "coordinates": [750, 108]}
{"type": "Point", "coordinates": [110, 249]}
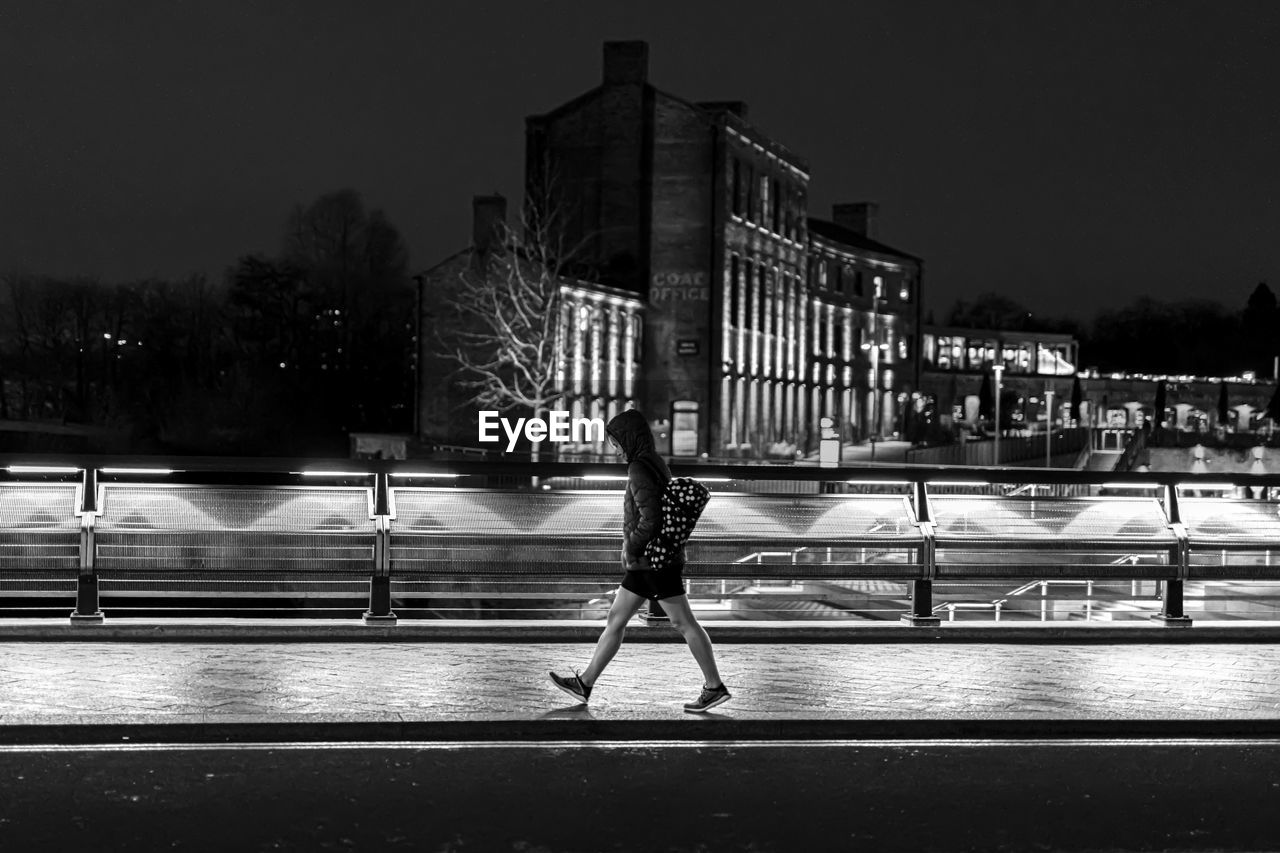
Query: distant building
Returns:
{"type": "Point", "coordinates": [954, 360]}
{"type": "Point", "coordinates": [866, 299]}
{"type": "Point", "coordinates": [703, 217]}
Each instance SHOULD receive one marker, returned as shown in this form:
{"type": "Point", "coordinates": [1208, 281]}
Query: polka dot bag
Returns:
{"type": "Point", "coordinates": [683, 499]}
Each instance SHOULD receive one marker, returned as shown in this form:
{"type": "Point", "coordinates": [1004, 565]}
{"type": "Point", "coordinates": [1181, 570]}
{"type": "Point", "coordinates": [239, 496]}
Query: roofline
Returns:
{"type": "Point", "coordinates": [885, 250]}
{"type": "Point", "coordinates": [971, 331]}
{"type": "Point", "coordinates": [443, 261]}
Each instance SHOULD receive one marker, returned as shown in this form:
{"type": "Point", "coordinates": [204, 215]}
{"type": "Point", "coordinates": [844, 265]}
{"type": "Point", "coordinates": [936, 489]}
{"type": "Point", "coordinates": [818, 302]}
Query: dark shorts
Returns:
{"type": "Point", "coordinates": [655, 585]}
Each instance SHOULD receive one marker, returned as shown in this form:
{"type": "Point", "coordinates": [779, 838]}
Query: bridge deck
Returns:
{"type": "Point", "coordinates": [100, 691]}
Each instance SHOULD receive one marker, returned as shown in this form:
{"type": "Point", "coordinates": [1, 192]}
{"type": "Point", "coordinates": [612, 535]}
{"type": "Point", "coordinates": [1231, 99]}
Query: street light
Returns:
{"type": "Point", "coordinates": [1048, 426]}
{"type": "Point", "coordinates": [420, 281]}
{"type": "Point", "coordinates": [997, 369]}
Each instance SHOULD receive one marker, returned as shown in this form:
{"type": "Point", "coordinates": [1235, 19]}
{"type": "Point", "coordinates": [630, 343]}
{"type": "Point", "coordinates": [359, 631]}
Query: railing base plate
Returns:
{"type": "Point", "coordinates": [921, 621]}
{"type": "Point", "coordinates": [86, 618]}
{"type": "Point", "coordinates": [1172, 621]}
{"type": "Point", "coordinates": [372, 619]}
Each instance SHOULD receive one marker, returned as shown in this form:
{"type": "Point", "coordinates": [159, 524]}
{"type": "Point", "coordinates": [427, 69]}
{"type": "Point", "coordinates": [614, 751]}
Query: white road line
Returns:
{"type": "Point", "coordinates": [1234, 743]}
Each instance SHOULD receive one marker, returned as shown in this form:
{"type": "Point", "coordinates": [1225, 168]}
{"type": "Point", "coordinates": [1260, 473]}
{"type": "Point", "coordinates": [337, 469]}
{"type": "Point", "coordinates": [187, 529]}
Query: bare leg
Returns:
{"type": "Point", "coordinates": [683, 620]}
{"type": "Point", "coordinates": [625, 605]}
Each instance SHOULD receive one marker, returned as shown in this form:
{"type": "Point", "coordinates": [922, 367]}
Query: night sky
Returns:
{"type": "Point", "coordinates": [1072, 156]}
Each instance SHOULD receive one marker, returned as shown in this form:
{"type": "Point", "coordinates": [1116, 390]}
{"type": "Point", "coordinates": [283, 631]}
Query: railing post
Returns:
{"type": "Point", "coordinates": [87, 611]}
{"type": "Point", "coordinates": [655, 615]}
{"type": "Point", "coordinates": [379, 612]}
{"type": "Point", "coordinates": [921, 614]}
{"type": "Point", "coordinates": [1171, 612]}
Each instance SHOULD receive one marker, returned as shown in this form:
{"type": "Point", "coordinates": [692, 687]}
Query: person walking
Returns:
{"type": "Point", "coordinates": [647, 474]}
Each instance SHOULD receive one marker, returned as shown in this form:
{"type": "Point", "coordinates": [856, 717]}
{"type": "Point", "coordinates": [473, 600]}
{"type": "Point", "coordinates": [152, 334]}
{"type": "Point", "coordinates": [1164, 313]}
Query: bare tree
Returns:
{"type": "Point", "coordinates": [503, 315]}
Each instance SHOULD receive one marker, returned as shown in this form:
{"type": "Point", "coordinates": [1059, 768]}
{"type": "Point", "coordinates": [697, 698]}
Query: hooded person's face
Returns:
{"type": "Point", "coordinates": [617, 448]}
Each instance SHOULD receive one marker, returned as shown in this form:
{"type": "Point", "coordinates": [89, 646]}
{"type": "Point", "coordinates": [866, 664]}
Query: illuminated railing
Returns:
{"type": "Point", "coordinates": [542, 540]}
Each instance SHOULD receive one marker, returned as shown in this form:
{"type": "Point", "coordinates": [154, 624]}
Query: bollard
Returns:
{"type": "Point", "coordinates": [655, 615]}
{"type": "Point", "coordinates": [379, 612]}
{"type": "Point", "coordinates": [87, 611]}
{"type": "Point", "coordinates": [921, 614]}
{"type": "Point", "coordinates": [1171, 612]}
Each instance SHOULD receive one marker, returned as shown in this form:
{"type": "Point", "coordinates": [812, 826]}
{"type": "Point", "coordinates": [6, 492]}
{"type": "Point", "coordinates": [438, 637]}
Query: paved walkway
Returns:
{"type": "Point", "coordinates": [91, 690]}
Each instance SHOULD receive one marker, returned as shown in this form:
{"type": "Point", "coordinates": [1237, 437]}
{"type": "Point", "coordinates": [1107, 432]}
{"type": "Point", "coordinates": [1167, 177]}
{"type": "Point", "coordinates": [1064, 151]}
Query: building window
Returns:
{"type": "Point", "coordinates": [762, 284]}
{"type": "Point", "coordinates": [763, 215]}
{"type": "Point", "coordinates": [857, 282]}
{"type": "Point", "coordinates": [733, 290]}
{"type": "Point", "coordinates": [775, 223]}
{"type": "Point", "coordinates": [904, 292]}
{"type": "Point", "coordinates": [749, 203]}
{"type": "Point", "coordinates": [737, 186]}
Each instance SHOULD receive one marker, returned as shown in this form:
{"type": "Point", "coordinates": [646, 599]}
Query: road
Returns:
{"type": "Point", "coordinates": [592, 796]}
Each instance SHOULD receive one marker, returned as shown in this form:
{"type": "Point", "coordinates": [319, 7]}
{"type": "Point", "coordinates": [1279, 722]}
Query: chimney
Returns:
{"type": "Point", "coordinates": [858, 216]}
{"type": "Point", "coordinates": [488, 212]}
{"type": "Point", "coordinates": [626, 62]}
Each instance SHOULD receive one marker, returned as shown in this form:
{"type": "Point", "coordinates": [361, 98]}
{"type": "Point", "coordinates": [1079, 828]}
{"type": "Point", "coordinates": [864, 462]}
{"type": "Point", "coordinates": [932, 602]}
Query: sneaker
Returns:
{"type": "Point", "coordinates": [573, 685]}
{"type": "Point", "coordinates": [710, 697]}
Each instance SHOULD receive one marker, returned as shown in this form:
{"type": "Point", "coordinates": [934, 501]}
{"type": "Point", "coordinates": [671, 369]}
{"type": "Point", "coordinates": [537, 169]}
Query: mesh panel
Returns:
{"type": "Point", "coordinates": [1000, 562]}
{"type": "Point", "coordinates": [1233, 523]}
{"type": "Point", "coordinates": [1014, 521]}
{"type": "Point", "coordinates": [444, 531]}
{"type": "Point", "coordinates": [813, 518]}
{"type": "Point", "coordinates": [475, 511]}
{"type": "Point", "coordinates": [39, 530]}
{"type": "Point", "coordinates": [258, 585]}
{"type": "Point", "coordinates": [247, 551]}
{"type": "Point", "coordinates": [29, 550]}
{"type": "Point", "coordinates": [224, 508]}
{"type": "Point", "coordinates": [38, 507]}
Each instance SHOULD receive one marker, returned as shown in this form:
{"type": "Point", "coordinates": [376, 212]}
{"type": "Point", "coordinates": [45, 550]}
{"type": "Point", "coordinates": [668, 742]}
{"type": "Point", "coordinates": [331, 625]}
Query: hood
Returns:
{"type": "Point", "coordinates": [632, 433]}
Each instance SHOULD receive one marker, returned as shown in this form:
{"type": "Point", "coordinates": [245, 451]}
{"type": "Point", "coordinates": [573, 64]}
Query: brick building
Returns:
{"type": "Point", "coordinates": [694, 210]}
{"type": "Point", "coordinates": [866, 317]}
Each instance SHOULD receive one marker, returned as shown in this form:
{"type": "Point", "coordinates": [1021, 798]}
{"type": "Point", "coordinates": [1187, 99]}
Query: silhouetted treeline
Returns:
{"type": "Point", "coordinates": [1199, 337]}
{"type": "Point", "coordinates": [285, 356]}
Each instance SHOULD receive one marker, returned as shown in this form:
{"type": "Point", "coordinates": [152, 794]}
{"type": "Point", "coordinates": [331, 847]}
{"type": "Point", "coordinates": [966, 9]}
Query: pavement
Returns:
{"type": "Point", "coordinates": [60, 685]}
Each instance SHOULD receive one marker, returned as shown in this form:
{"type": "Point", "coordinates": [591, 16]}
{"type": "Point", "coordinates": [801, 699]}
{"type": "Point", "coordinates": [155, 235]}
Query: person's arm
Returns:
{"type": "Point", "coordinates": [646, 489]}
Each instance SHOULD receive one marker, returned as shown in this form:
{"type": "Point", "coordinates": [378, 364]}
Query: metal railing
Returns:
{"type": "Point", "coordinates": [424, 538]}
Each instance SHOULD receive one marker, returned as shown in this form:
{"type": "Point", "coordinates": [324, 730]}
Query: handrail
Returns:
{"type": "Point", "coordinates": [382, 478]}
{"type": "Point", "coordinates": [295, 469]}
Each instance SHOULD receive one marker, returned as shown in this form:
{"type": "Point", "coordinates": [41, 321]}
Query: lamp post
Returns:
{"type": "Point", "coordinates": [420, 281]}
{"type": "Point", "coordinates": [1048, 426]}
{"type": "Point", "coordinates": [997, 369]}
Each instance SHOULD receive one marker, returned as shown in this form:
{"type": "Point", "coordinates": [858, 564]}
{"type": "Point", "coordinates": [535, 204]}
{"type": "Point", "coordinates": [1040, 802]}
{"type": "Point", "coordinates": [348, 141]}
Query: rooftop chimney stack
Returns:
{"type": "Point", "coordinates": [488, 214]}
{"type": "Point", "coordinates": [626, 62]}
{"type": "Point", "coordinates": [858, 216]}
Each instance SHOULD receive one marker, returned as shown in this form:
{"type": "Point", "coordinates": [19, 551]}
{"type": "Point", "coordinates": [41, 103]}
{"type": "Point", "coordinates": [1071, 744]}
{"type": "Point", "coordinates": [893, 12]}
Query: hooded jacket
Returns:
{"type": "Point", "coordinates": [647, 474]}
